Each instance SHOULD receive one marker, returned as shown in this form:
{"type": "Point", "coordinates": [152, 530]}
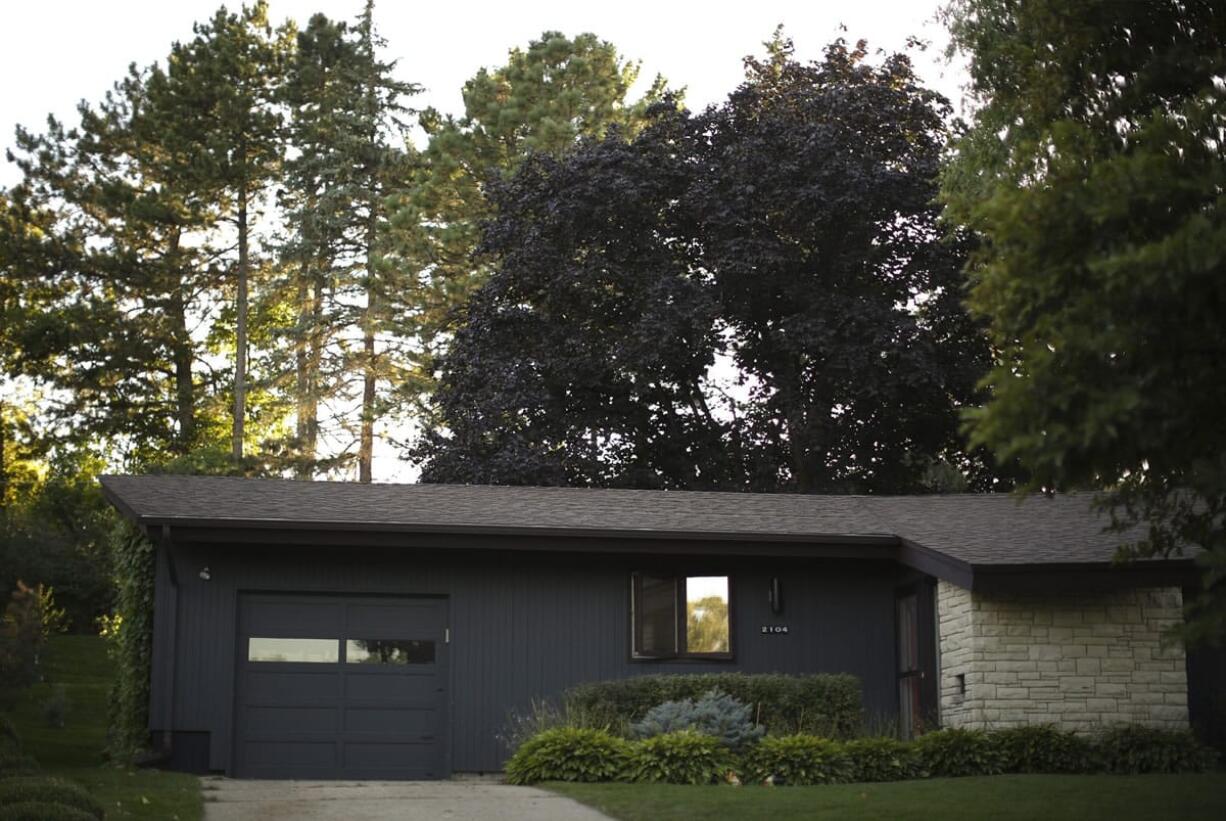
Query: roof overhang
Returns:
{"type": "Point", "coordinates": [985, 577]}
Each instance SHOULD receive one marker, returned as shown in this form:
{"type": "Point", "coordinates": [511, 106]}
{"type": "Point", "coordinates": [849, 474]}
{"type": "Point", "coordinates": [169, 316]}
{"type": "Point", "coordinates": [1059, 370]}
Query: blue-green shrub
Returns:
{"type": "Point", "coordinates": [798, 760]}
{"type": "Point", "coordinates": [682, 757]}
{"type": "Point", "coordinates": [952, 753]}
{"type": "Point", "coordinates": [715, 714]}
{"type": "Point", "coordinates": [570, 754]}
{"type": "Point", "coordinates": [821, 704]}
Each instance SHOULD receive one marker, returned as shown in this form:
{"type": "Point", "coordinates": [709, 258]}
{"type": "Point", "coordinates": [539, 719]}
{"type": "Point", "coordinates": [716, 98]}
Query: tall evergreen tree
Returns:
{"type": "Point", "coordinates": [348, 130]}
{"type": "Point", "coordinates": [107, 283]}
{"type": "Point", "coordinates": [222, 85]}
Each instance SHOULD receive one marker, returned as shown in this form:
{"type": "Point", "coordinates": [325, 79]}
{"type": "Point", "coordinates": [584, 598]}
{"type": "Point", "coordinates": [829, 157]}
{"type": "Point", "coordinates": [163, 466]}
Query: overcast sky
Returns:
{"type": "Point", "coordinates": [54, 53]}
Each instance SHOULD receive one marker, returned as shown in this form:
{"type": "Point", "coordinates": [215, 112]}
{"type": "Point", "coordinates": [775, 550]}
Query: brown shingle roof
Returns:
{"type": "Point", "coordinates": [973, 529]}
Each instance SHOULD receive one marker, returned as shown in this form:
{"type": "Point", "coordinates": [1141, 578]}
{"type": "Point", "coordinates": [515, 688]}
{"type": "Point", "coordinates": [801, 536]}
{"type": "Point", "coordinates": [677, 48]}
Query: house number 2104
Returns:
{"type": "Point", "coordinates": [774, 629]}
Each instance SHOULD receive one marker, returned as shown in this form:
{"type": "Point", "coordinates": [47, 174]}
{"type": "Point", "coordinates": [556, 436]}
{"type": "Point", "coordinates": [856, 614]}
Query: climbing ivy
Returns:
{"type": "Point", "coordinates": [129, 630]}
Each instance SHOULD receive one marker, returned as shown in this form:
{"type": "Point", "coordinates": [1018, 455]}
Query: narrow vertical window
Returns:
{"type": "Point", "coordinates": [706, 615]}
{"type": "Point", "coordinates": [654, 608]}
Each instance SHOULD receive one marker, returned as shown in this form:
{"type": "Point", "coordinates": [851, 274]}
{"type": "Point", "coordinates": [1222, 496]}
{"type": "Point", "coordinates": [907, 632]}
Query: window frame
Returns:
{"type": "Point", "coordinates": [681, 622]}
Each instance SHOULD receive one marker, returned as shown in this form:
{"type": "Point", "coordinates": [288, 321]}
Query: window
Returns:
{"type": "Point", "coordinates": [315, 651]}
{"type": "Point", "coordinates": [680, 616]}
{"type": "Point", "coordinates": [389, 651]}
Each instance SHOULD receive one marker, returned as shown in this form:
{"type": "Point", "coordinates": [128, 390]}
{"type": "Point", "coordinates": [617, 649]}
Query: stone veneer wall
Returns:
{"type": "Point", "coordinates": [1078, 661]}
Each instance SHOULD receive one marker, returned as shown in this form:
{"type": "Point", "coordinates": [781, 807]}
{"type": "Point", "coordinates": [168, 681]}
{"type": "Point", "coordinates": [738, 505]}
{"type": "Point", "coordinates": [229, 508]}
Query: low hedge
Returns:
{"type": "Point", "coordinates": [822, 704]}
{"type": "Point", "coordinates": [1131, 750]}
{"type": "Point", "coordinates": [42, 811]}
{"type": "Point", "coordinates": [48, 791]}
{"type": "Point", "coordinates": [686, 757]}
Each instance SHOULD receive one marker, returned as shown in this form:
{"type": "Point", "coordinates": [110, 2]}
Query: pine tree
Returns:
{"type": "Point", "coordinates": [348, 131]}
{"type": "Point", "coordinates": [222, 86]}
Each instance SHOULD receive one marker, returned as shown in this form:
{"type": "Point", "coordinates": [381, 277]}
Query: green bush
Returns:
{"type": "Point", "coordinates": [10, 741]}
{"type": "Point", "coordinates": [881, 759]}
{"type": "Point", "coordinates": [570, 754]}
{"type": "Point", "coordinates": [822, 704]}
{"type": "Point", "coordinates": [1130, 749]}
{"type": "Point", "coordinates": [14, 763]}
{"type": "Point", "coordinates": [1043, 748]}
{"type": "Point", "coordinates": [48, 791]}
{"type": "Point", "coordinates": [43, 811]}
{"type": "Point", "coordinates": [798, 760]}
{"type": "Point", "coordinates": [952, 753]}
{"type": "Point", "coordinates": [682, 757]}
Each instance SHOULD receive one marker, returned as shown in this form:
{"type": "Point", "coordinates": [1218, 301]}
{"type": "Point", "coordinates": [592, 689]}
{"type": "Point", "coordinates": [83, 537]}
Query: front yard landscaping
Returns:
{"type": "Point", "coordinates": [80, 666]}
{"type": "Point", "coordinates": [1001, 798]}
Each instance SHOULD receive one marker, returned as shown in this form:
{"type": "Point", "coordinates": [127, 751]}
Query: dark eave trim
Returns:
{"type": "Point", "coordinates": [936, 563]}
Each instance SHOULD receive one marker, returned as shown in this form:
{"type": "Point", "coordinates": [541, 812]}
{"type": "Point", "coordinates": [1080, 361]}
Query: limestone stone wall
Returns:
{"type": "Point", "coordinates": [1078, 661]}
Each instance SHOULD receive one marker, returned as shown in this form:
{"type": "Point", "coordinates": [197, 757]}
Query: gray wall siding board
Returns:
{"type": "Point", "coordinates": [528, 625]}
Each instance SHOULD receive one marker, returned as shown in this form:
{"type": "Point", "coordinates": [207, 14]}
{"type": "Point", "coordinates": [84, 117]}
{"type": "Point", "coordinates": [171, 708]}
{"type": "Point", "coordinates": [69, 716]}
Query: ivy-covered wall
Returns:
{"type": "Point", "coordinates": [130, 631]}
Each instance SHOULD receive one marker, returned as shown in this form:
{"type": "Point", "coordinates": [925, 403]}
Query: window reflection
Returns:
{"type": "Point", "coordinates": [706, 614]}
{"type": "Point", "coordinates": [389, 651]}
{"type": "Point", "coordinates": [655, 615]}
{"type": "Point", "coordinates": [316, 651]}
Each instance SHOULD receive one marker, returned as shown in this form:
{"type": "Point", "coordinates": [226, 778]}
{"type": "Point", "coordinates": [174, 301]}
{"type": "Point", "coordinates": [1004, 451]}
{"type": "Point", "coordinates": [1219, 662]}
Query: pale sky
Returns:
{"type": "Point", "coordinates": [53, 53]}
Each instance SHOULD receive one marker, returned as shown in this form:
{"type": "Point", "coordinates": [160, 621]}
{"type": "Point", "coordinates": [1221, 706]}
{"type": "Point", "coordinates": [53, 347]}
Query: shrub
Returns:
{"type": "Point", "coordinates": [952, 753]}
{"type": "Point", "coordinates": [43, 811]}
{"type": "Point", "coordinates": [1131, 749]}
{"type": "Point", "coordinates": [14, 763]}
{"type": "Point", "coordinates": [1043, 749]}
{"type": "Point", "coordinates": [570, 754]}
{"type": "Point", "coordinates": [715, 714]}
{"type": "Point", "coordinates": [682, 757]}
{"type": "Point", "coordinates": [9, 739]}
{"type": "Point", "coordinates": [48, 791]}
{"type": "Point", "coordinates": [820, 704]}
{"type": "Point", "coordinates": [798, 759]}
{"type": "Point", "coordinates": [55, 706]}
{"type": "Point", "coordinates": [880, 759]}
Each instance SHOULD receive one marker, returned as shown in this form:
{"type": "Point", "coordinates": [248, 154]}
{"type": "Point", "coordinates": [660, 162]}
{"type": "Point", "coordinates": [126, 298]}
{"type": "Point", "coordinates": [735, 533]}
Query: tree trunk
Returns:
{"type": "Point", "coordinates": [240, 329]}
{"type": "Point", "coordinates": [185, 389]}
{"type": "Point", "coordinates": [302, 376]}
{"type": "Point", "coordinates": [366, 443]}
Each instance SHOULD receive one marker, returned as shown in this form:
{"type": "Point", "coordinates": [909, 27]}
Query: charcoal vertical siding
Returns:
{"type": "Point", "coordinates": [524, 625]}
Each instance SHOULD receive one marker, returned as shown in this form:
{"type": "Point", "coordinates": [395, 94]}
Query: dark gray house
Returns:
{"type": "Point", "coordinates": [314, 629]}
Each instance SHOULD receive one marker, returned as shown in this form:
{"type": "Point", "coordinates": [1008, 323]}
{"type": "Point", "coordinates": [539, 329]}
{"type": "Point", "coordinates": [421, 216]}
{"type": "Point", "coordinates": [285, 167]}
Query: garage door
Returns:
{"type": "Point", "coordinates": [332, 687]}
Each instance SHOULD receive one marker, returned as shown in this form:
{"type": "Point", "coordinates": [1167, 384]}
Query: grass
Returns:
{"type": "Point", "coordinates": [1001, 798]}
{"type": "Point", "coordinates": [75, 751]}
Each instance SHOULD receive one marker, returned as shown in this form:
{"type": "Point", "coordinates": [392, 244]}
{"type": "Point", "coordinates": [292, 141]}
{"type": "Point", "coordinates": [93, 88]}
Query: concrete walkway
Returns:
{"type": "Point", "coordinates": [228, 799]}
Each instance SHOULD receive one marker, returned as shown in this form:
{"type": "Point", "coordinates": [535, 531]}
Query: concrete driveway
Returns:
{"type": "Point", "coordinates": [228, 799]}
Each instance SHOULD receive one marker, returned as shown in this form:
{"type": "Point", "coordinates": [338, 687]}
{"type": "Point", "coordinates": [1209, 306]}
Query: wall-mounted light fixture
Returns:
{"type": "Point", "coordinates": [205, 574]}
{"type": "Point", "coordinates": [775, 595]}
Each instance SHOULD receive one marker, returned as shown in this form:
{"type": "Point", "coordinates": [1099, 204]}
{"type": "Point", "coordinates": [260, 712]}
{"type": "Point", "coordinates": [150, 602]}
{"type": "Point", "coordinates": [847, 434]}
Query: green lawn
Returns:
{"type": "Point", "coordinates": [1001, 798]}
{"type": "Point", "coordinates": [75, 751]}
